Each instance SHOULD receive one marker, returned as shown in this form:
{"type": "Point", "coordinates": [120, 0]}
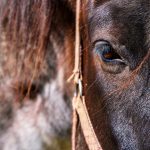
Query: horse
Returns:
{"type": "Point", "coordinates": [37, 49]}
{"type": "Point", "coordinates": [116, 73]}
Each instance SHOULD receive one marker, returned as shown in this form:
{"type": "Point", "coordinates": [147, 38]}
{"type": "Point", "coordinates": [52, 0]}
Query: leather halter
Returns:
{"type": "Point", "coordinates": [79, 107]}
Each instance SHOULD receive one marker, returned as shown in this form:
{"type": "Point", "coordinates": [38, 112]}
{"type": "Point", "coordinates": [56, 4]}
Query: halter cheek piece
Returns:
{"type": "Point", "coordinates": [79, 107]}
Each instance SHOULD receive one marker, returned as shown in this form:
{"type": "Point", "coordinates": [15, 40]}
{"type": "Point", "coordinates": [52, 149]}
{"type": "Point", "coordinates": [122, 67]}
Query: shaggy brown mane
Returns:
{"type": "Point", "coordinates": [26, 27]}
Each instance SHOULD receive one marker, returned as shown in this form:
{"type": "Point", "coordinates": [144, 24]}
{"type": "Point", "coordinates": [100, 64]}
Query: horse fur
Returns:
{"type": "Point", "coordinates": [37, 56]}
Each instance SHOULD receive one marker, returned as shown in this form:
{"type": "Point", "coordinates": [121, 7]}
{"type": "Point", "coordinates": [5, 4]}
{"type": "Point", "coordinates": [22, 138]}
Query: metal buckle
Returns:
{"type": "Point", "coordinates": [78, 88]}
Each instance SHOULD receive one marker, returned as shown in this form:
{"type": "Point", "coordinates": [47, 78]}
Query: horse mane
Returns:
{"type": "Point", "coordinates": [26, 27]}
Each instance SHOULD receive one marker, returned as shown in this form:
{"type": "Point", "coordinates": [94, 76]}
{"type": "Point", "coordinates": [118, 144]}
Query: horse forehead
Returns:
{"type": "Point", "coordinates": [115, 15]}
{"type": "Point", "coordinates": [124, 3]}
{"type": "Point", "coordinates": [105, 11]}
{"type": "Point", "coordinates": [103, 18]}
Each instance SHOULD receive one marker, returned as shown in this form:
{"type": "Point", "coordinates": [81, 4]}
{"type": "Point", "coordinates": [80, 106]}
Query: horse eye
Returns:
{"type": "Point", "coordinates": [106, 52]}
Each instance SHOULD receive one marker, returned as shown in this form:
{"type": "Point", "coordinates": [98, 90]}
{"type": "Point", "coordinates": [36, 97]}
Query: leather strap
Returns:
{"type": "Point", "coordinates": [86, 125]}
{"type": "Point", "coordinates": [79, 107]}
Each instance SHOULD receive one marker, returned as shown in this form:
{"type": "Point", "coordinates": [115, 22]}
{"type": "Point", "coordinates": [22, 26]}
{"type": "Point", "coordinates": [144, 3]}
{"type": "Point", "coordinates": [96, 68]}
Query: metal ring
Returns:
{"type": "Point", "coordinates": [80, 87]}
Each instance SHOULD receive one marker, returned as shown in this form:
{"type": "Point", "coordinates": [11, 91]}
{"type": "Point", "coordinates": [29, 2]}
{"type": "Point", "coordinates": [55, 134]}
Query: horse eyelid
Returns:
{"type": "Point", "coordinates": [99, 40]}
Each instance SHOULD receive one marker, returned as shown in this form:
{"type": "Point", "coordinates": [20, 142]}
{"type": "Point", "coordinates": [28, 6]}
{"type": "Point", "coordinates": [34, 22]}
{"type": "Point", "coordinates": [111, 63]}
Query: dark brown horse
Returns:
{"type": "Point", "coordinates": [37, 56]}
{"type": "Point", "coordinates": [116, 73]}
